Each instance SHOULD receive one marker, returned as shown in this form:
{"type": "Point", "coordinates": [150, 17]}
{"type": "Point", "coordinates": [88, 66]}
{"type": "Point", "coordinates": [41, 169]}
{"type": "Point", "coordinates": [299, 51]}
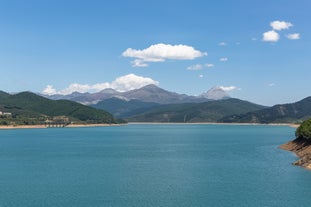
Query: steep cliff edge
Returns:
{"type": "Point", "coordinates": [301, 146]}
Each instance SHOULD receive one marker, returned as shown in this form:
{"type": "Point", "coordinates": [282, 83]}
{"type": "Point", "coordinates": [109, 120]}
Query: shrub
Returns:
{"type": "Point", "coordinates": [304, 130]}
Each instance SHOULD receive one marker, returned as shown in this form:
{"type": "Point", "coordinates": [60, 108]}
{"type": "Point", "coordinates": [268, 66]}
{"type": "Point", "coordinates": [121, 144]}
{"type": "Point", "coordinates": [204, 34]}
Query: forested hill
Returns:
{"type": "Point", "coordinates": [29, 108]}
{"type": "Point", "coordinates": [281, 113]}
{"type": "Point", "coordinates": [211, 111]}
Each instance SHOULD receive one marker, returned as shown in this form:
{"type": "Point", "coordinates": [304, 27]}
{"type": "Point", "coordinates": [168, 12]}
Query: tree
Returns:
{"type": "Point", "coordinates": [304, 130]}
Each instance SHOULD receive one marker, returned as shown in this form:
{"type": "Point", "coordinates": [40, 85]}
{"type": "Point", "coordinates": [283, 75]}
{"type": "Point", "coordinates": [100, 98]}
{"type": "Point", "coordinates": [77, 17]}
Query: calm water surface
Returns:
{"type": "Point", "coordinates": [151, 165]}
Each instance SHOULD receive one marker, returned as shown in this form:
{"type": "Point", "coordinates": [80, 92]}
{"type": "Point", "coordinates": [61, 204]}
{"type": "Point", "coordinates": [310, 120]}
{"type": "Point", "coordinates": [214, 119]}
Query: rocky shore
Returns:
{"type": "Point", "coordinates": [302, 148]}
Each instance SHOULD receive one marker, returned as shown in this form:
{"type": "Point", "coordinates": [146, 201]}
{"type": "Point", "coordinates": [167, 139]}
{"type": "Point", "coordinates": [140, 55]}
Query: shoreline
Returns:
{"type": "Point", "coordinates": [43, 126]}
{"type": "Point", "coordinates": [145, 123]}
{"type": "Point", "coordinates": [217, 123]}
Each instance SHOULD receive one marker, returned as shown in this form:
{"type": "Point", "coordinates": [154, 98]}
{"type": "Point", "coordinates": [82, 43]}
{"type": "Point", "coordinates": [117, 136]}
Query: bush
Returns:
{"type": "Point", "coordinates": [304, 130]}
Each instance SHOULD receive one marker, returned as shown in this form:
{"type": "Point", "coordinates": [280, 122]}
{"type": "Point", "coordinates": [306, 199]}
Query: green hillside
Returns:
{"type": "Point", "coordinates": [3, 95]}
{"type": "Point", "coordinates": [282, 113]}
{"type": "Point", "coordinates": [210, 111]}
{"type": "Point", "coordinates": [29, 108]}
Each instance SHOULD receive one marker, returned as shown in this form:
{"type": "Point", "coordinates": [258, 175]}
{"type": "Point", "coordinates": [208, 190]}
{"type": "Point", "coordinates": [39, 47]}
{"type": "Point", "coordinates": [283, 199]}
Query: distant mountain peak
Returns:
{"type": "Point", "coordinates": [215, 93]}
{"type": "Point", "coordinates": [109, 91]}
{"type": "Point", "coordinates": [150, 87]}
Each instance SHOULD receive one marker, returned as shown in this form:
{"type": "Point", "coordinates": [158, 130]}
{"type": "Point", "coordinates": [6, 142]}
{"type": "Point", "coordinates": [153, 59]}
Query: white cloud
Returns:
{"type": "Point", "coordinates": [139, 63]}
{"type": "Point", "coordinates": [130, 82]}
{"type": "Point", "coordinates": [201, 76]}
{"type": "Point", "coordinates": [271, 36]}
{"type": "Point", "coordinates": [228, 88]}
{"type": "Point", "coordinates": [49, 90]}
{"type": "Point", "coordinates": [280, 25]}
{"type": "Point", "coordinates": [100, 86]}
{"type": "Point", "coordinates": [75, 87]}
{"type": "Point", "coordinates": [161, 52]}
{"type": "Point", "coordinates": [271, 84]}
{"type": "Point", "coordinates": [209, 65]}
{"type": "Point", "coordinates": [222, 44]}
{"type": "Point", "coordinates": [195, 67]}
{"type": "Point", "coordinates": [294, 36]}
{"type": "Point", "coordinates": [274, 36]}
{"type": "Point", "coordinates": [223, 59]}
{"type": "Point", "coordinates": [123, 83]}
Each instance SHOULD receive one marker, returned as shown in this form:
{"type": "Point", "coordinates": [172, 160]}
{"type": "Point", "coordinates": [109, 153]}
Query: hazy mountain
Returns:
{"type": "Point", "coordinates": [123, 108]}
{"type": "Point", "coordinates": [215, 93]}
{"type": "Point", "coordinates": [149, 93]}
{"type": "Point", "coordinates": [86, 98]}
{"type": "Point", "coordinates": [211, 111]}
{"type": "Point", "coordinates": [152, 93]}
{"type": "Point", "coordinates": [282, 113]}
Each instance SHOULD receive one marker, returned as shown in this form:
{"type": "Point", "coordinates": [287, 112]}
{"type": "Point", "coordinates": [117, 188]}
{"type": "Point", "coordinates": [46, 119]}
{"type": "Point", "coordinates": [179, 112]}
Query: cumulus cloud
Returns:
{"type": "Point", "coordinates": [130, 82]}
{"type": "Point", "coordinates": [294, 36]}
{"type": "Point", "coordinates": [161, 52]}
{"type": "Point", "coordinates": [123, 83]}
{"type": "Point", "coordinates": [195, 67]}
{"type": "Point", "coordinates": [49, 90]}
{"type": "Point", "coordinates": [280, 25]}
{"type": "Point", "coordinates": [270, 36]}
{"type": "Point", "coordinates": [223, 59]}
{"type": "Point", "coordinates": [228, 88]}
{"type": "Point", "coordinates": [201, 76]}
{"type": "Point", "coordinates": [76, 87]}
{"type": "Point", "coordinates": [274, 36]}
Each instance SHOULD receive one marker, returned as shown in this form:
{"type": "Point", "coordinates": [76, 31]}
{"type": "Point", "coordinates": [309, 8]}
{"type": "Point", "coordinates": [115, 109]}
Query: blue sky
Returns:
{"type": "Point", "coordinates": [256, 50]}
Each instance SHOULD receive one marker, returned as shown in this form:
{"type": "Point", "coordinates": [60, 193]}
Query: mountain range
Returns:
{"type": "Point", "coordinates": [227, 111]}
{"type": "Point", "coordinates": [149, 93]}
{"type": "Point", "coordinates": [153, 104]}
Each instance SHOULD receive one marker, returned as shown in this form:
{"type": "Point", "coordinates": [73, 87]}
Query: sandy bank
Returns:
{"type": "Point", "coordinates": [22, 127]}
{"type": "Point", "coordinates": [91, 125]}
{"type": "Point", "coordinates": [217, 123]}
{"type": "Point", "coordinates": [43, 126]}
{"type": "Point", "coordinates": [100, 125]}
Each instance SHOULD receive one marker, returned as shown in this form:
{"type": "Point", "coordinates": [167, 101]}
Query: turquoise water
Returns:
{"type": "Point", "coordinates": [151, 165]}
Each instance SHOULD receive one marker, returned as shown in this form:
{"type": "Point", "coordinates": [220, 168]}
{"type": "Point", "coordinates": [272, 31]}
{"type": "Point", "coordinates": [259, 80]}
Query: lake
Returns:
{"type": "Point", "coordinates": [151, 165]}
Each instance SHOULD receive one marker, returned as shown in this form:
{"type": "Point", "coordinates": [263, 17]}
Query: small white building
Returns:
{"type": "Point", "coordinates": [5, 113]}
